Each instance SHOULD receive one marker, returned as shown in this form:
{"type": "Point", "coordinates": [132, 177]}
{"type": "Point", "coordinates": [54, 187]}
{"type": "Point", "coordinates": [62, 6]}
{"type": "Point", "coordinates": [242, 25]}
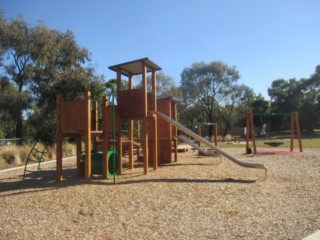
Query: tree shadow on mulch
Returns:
{"type": "Point", "coordinates": [39, 181]}
{"type": "Point", "coordinates": [46, 180]}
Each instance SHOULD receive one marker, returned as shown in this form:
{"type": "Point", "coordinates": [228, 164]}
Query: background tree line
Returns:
{"type": "Point", "coordinates": [36, 63]}
{"type": "Point", "coordinates": [211, 94]}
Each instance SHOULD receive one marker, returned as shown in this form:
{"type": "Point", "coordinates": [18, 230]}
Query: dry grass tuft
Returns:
{"type": "Point", "coordinates": [11, 155]}
{"type": "Point", "coordinates": [17, 155]}
{"type": "Point", "coordinates": [226, 138]}
{"type": "Point", "coordinates": [68, 149]}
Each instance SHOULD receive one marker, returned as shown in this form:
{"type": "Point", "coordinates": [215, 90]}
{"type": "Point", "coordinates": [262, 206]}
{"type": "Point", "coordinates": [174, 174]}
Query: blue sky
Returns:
{"type": "Point", "coordinates": [264, 39]}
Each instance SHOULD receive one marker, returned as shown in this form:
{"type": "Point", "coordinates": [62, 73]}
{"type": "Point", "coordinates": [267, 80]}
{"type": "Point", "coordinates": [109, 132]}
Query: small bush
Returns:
{"type": "Point", "coordinates": [227, 138]}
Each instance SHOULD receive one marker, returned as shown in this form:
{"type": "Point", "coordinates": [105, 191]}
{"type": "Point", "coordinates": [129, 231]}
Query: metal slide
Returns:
{"type": "Point", "coordinates": [196, 146]}
{"type": "Point", "coordinates": [206, 142]}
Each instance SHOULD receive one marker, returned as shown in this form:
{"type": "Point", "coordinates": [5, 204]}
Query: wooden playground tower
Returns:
{"type": "Point", "coordinates": [294, 130]}
{"type": "Point", "coordinates": [79, 119]}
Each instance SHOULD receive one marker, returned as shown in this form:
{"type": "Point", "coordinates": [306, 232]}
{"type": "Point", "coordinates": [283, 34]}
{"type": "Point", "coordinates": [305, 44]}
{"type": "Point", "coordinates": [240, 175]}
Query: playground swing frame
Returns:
{"type": "Point", "coordinates": [271, 143]}
{"type": "Point", "coordinates": [294, 128]}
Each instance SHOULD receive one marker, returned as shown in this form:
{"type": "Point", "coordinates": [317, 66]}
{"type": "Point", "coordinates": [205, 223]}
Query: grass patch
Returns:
{"type": "Point", "coordinates": [11, 156]}
{"type": "Point", "coordinates": [260, 143]}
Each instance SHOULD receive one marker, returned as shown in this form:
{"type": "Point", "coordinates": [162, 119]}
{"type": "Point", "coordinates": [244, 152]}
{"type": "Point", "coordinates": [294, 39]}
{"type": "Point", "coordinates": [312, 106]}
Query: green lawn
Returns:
{"type": "Point", "coordinates": [260, 143]}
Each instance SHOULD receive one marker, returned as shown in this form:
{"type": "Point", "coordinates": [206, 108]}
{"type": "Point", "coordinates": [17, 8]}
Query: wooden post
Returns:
{"type": "Point", "coordinates": [87, 138]}
{"type": "Point", "coordinates": [174, 130]}
{"type": "Point", "coordinates": [175, 145]}
{"type": "Point", "coordinates": [95, 122]}
{"type": "Point", "coordinates": [59, 138]}
{"type": "Point", "coordinates": [155, 120]}
{"type": "Point", "coordinates": [295, 126]}
{"type": "Point", "coordinates": [253, 134]}
{"type": "Point", "coordinates": [105, 137]}
{"type": "Point", "coordinates": [130, 131]}
{"type": "Point", "coordinates": [145, 119]}
{"type": "Point", "coordinates": [119, 140]}
{"type": "Point", "coordinates": [250, 131]}
{"type": "Point", "coordinates": [292, 131]}
{"type": "Point", "coordinates": [298, 131]}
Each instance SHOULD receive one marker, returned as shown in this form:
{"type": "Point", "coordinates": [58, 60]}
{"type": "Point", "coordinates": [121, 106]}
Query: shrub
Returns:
{"type": "Point", "coordinates": [11, 155]}
{"type": "Point", "coordinates": [227, 138]}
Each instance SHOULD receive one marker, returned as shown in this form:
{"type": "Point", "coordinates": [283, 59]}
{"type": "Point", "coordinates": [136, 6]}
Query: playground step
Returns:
{"type": "Point", "coordinates": [36, 155]}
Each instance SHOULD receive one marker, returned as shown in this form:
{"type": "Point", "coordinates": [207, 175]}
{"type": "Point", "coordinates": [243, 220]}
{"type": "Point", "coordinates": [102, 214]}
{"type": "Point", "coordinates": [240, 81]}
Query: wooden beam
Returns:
{"type": "Point", "coordinates": [155, 120]}
{"type": "Point", "coordinates": [95, 134]}
{"type": "Point", "coordinates": [87, 138]}
{"type": "Point", "coordinates": [295, 126]}
{"type": "Point", "coordinates": [155, 143]}
{"type": "Point", "coordinates": [250, 132]}
{"type": "Point", "coordinates": [174, 130]}
{"type": "Point", "coordinates": [130, 130]}
{"type": "Point", "coordinates": [154, 90]}
{"type": "Point", "coordinates": [94, 123]}
{"type": "Point", "coordinates": [175, 145]}
{"type": "Point", "coordinates": [145, 119]}
{"type": "Point", "coordinates": [105, 137]}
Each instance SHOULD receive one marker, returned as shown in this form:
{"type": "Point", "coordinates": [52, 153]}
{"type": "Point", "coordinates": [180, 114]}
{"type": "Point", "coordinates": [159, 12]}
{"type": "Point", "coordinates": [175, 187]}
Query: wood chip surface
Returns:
{"type": "Point", "coordinates": [194, 198]}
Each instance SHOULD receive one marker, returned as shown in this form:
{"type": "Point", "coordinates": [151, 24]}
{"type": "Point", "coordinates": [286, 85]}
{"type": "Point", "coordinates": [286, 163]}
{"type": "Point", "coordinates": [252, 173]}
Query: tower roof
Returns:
{"type": "Point", "coordinates": [134, 67]}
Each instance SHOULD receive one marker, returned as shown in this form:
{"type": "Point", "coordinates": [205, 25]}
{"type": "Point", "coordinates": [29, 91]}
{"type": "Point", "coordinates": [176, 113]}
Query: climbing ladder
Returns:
{"type": "Point", "coordinates": [35, 156]}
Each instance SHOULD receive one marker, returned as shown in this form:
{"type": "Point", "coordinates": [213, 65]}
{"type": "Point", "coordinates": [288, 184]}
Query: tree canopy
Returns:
{"type": "Point", "coordinates": [212, 88]}
{"type": "Point", "coordinates": [38, 62]}
{"type": "Point", "coordinates": [298, 96]}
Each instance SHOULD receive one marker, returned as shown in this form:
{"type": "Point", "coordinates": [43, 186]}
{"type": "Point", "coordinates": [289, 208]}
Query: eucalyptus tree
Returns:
{"type": "Point", "coordinates": [44, 62]}
{"type": "Point", "coordinates": [235, 103]}
{"type": "Point", "coordinates": [206, 85]}
{"type": "Point", "coordinates": [17, 63]}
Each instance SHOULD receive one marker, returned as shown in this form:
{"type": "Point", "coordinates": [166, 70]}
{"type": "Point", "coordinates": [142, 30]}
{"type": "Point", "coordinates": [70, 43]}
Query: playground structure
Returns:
{"type": "Point", "coordinates": [79, 119]}
{"type": "Point", "coordinates": [294, 130]}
